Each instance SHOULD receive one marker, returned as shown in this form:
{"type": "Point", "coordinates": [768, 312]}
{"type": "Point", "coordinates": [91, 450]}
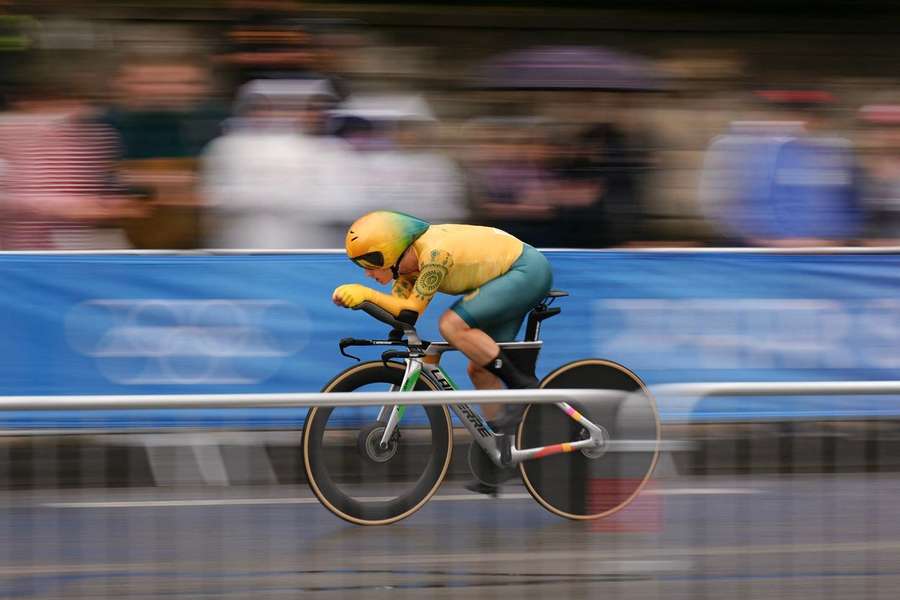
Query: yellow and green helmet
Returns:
{"type": "Point", "coordinates": [378, 240]}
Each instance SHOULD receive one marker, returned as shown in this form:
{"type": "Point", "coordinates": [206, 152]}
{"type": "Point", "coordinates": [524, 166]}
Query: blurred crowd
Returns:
{"type": "Point", "coordinates": [270, 129]}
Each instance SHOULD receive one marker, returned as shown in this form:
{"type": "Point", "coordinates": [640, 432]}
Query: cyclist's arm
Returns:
{"type": "Point", "coordinates": [413, 294]}
{"type": "Point", "coordinates": [401, 298]}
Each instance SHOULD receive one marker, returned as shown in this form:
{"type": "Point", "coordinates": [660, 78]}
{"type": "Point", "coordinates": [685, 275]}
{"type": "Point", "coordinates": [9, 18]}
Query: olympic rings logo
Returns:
{"type": "Point", "coordinates": [162, 341]}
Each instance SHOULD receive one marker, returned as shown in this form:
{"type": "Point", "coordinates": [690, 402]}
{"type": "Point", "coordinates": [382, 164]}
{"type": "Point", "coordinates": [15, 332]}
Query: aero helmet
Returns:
{"type": "Point", "coordinates": [378, 240]}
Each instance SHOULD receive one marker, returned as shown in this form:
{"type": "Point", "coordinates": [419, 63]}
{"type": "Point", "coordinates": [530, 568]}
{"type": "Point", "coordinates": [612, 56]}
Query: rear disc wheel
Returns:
{"type": "Point", "coordinates": [600, 481]}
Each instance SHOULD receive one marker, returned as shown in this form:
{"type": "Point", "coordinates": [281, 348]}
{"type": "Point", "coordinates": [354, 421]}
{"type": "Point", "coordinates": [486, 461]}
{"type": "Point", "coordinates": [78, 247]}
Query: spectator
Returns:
{"type": "Point", "coordinates": [164, 116]}
{"type": "Point", "coordinates": [595, 190]}
{"type": "Point", "coordinates": [509, 172]}
{"type": "Point", "coordinates": [15, 40]}
{"type": "Point", "coordinates": [401, 170]}
{"type": "Point", "coordinates": [881, 198]}
{"type": "Point", "coordinates": [270, 40]}
{"type": "Point", "coordinates": [273, 180]}
{"type": "Point", "coordinates": [267, 43]}
{"type": "Point", "coordinates": [783, 182]}
{"type": "Point", "coordinates": [579, 192]}
{"type": "Point", "coordinates": [57, 168]}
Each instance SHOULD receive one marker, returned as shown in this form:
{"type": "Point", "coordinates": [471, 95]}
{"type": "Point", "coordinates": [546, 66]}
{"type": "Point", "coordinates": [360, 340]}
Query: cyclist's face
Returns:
{"type": "Point", "coordinates": [382, 276]}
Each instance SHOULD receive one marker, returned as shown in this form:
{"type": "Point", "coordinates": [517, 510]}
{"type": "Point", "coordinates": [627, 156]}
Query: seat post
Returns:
{"type": "Point", "coordinates": [533, 325]}
{"type": "Point", "coordinates": [539, 313]}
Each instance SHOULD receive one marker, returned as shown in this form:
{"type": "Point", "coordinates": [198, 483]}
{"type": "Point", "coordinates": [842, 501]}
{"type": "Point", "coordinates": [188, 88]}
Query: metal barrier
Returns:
{"type": "Point", "coordinates": [856, 442]}
{"type": "Point", "coordinates": [692, 390]}
{"type": "Point", "coordinates": [681, 399]}
{"type": "Point", "coordinates": [778, 388]}
{"type": "Point", "coordinates": [688, 444]}
{"type": "Point", "coordinates": [215, 454]}
{"type": "Point", "coordinates": [227, 401]}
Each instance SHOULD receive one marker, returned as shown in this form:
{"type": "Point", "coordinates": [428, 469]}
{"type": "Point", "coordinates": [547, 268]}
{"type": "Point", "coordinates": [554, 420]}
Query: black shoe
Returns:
{"type": "Point", "coordinates": [483, 488]}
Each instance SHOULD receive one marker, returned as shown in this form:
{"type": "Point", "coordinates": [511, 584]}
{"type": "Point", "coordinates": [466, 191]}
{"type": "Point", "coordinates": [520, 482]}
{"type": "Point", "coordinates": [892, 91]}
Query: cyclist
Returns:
{"type": "Point", "coordinates": [499, 277]}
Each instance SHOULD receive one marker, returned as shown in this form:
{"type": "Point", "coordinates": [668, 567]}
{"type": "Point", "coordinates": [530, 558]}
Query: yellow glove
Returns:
{"type": "Point", "coordinates": [350, 295]}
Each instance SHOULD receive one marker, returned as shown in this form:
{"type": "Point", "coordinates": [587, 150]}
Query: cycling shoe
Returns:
{"type": "Point", "coordinates": [482, 488]}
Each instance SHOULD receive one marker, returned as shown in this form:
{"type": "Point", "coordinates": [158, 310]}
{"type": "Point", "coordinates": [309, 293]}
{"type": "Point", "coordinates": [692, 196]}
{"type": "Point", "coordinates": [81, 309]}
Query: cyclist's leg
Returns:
{"type": "Point", "coordinates": [488, 476]}
{"type": "Point", "coordinates": [481, 348]}
{"type": "Point", "coordinates": [491, 314]}
{"type": "Point", "coordinates": [494, 313]}
{"type": "Point", "coordinates": [483, 379]}
{"type": "Point", "coordinates": [467, 337]}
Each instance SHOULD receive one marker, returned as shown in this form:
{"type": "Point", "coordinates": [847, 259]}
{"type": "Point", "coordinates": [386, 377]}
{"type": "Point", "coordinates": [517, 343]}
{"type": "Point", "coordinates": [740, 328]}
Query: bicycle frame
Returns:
{"type": "Point", "coordinates": [426, 365]}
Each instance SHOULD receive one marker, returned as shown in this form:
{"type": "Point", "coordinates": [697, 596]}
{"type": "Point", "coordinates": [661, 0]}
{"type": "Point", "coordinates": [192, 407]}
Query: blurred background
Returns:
{"type": "Point", "coordinates": [272, 124]}
{"type": "Point", "coordinates": [737, 163]}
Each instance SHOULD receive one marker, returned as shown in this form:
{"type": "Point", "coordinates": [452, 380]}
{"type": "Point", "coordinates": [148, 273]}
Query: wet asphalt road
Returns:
{"type": "Point", "coordinates": [800, 536]}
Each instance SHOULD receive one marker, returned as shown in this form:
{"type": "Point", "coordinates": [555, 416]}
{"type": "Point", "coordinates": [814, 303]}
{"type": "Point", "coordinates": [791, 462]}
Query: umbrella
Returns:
{"type": "Point", "coordinates": [568, 68]}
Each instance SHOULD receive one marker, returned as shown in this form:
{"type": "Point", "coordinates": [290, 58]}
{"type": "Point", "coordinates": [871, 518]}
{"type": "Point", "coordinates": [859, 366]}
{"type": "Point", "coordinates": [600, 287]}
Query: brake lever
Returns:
{"type": "Point", "coordinates": [348, 355]}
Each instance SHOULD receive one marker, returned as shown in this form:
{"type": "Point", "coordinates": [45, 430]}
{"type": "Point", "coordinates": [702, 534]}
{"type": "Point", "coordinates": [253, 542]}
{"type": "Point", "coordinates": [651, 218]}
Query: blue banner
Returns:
{"type": "Point", "coordinates": [136, 324]}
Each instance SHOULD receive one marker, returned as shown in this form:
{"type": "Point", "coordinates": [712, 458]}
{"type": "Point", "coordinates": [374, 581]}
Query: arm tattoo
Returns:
{"type": "Point", "coordinates": [402, 288]}
{"type": "Point", "coordinates": [432, 274]}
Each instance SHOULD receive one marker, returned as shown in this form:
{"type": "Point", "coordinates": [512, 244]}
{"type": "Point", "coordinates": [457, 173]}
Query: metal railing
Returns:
{"type": "Point", "coordinates": [299, 400]}
{"type": "Point", "coordinates": [683, 401]}
{"type": "Point", "coordinates": [778, 388]}
{"type": "Point", "coordinates": [693, 391]}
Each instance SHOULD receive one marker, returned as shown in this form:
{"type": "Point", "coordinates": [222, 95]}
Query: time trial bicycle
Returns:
{"type": "Point", "coordinates": [378, 465]}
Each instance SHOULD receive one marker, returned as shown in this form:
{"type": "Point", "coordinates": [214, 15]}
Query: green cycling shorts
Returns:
{"type": "Point", "coordinates": [499, 306]}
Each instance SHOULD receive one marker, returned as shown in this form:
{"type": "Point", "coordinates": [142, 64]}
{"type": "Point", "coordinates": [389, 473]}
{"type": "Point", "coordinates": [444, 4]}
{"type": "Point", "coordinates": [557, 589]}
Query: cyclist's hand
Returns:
{"type": "Point", "coordinates": [350, 295]}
